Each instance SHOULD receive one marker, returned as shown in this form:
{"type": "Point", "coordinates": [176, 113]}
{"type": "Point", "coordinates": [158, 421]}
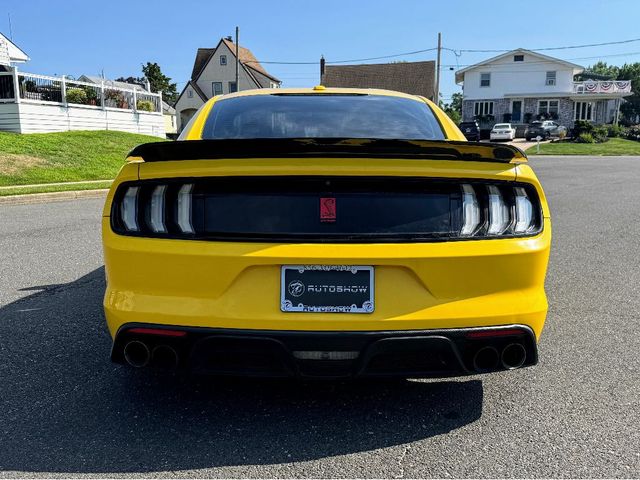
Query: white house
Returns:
{"type": "Point", "coordinates": [214, 73]}
{"type": "Point", "coordinates": [520, 86]}
{"type": "Point", "coordinates": [31, 103]}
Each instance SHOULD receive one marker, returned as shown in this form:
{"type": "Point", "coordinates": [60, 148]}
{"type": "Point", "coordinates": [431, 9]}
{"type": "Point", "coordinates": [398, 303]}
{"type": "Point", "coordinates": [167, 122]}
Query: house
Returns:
{"type": "Point", "coordinates": [10, 53]}
{"type": "Point", "coordinates": [521, 86]}
{"type": "Point", "coordinates": [169, 113]}
{"type": "Point", "coordinates": [214, 73]}
{"type": "Point", "coordinates": [415, 78]}
{"type": "Point", "coordinates": [33, 103]}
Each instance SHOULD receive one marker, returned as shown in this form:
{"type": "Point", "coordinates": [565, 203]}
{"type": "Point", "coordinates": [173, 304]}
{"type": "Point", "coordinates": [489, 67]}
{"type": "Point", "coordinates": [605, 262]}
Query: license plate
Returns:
{"type": "Point", "coordinates": [326, 288]}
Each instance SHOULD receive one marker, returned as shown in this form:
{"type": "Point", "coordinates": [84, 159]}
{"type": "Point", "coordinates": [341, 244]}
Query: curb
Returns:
{"type": "Point", "coordinates": [32, 198]}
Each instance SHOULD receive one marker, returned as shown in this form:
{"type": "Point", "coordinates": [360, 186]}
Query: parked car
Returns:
{"type": "Point", "coordinates": [545, 129]}
{"type": "Point", "coordinates": [471, 131]}
{"type": "Point", "coordinates": [502, 131]}
{"type": "Point", "coordinates": [265, 241]}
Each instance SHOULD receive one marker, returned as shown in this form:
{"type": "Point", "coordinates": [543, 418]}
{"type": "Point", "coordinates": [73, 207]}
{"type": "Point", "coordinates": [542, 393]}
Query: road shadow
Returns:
{"type": "Point", "coordinates": [66, 408]}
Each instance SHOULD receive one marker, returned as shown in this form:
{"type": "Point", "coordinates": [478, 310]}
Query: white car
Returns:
{"type": "Point", "coordinates": [502, 131]}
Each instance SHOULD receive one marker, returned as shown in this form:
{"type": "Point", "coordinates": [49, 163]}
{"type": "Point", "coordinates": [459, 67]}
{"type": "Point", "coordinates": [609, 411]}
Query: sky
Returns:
{"type": "Point", "coordinates": [118, 36]}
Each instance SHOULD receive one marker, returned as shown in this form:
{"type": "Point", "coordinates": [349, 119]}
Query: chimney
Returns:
{"type": "Point", "coordinates": [230, 38]}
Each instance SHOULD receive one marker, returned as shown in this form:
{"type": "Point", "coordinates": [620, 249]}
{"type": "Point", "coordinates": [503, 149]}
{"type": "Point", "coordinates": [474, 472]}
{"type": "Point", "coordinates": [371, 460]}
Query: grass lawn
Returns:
{"type": "Point", "coordinates": [64, 157]}
{"type": "Point", "coordinates": [615, 146]}
{"type": "Point", "coordinates": [54, 188]}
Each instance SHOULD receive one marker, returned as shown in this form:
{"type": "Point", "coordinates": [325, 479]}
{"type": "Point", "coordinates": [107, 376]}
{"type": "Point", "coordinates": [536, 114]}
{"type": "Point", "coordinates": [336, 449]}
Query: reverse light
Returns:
{"type": "Point", "coordinates": [498, 212]}
{"type": "Point", "coordinates": [157, 210]}
{"type": "Point", "coordinates": [524, 211]}
{"type": "Point", "coordinates": [184, 208]}
{"type": "Point", "coordinates": [470, 211]}
{"type": "Point", "coordinates": [130, 209]}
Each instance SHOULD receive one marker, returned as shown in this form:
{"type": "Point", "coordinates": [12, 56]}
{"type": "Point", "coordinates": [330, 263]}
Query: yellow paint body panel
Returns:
{"type": "Point", "coordinates": [418, 286]}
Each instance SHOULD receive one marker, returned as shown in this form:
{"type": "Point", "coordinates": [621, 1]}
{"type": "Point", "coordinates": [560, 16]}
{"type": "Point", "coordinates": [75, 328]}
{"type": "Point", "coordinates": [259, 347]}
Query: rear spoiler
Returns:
{"type": "Point", "coordinates": [327, 147]}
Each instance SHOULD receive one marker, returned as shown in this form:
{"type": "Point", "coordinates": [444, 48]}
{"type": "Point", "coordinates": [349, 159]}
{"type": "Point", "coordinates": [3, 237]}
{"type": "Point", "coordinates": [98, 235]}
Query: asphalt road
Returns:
{"type": "Point", "coordinates": [66, 410]}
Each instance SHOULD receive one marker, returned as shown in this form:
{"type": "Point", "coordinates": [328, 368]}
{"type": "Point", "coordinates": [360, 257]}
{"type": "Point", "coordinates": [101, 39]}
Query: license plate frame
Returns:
{"type": "Point", "coordinates": [327, 288]}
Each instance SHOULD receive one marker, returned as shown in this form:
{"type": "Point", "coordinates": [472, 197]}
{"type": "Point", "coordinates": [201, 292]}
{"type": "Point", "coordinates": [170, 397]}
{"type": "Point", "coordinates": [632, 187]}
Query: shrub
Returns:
{"type": "Point", "coordinates": [616, 131]}
{"type": "Point", "coordinates": [527, 117]}
{"type": "Point", "coordinates": [145, 105]}
{"type": "Point", "coordinates": [92, 95]}
{"type": "Point", "coordinates": [600, 133]}
{"type": "Point", "coordinates": [585, 138]}
{"type": "Point", "coordinates": [76, 95]}
{"type": "Point", "coordinates": [633, 133]}
{"type": "Point", "coordinates": [582, 126]}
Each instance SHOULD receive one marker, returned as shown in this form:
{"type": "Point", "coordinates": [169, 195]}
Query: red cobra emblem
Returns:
{"type": "Point", "coordinates": [328, 209]}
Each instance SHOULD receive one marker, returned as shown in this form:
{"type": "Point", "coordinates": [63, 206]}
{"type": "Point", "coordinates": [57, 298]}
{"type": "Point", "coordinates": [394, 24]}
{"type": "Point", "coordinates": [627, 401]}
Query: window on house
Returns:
{"type": "Point", "coordinates": [482, 108]}
{"type": "Point", "coordinates": [583, 111]}
{"type": "Point", "coordinates": [223, 59]}
{"type": "Point", "coordinates": [551, 78]}
{"type": "Point", "coordinates": [518, 58]}
{"type": "Point", "coordinates": [549, 107]}
{"type": "Point", "coordinates": [232, 87]}
{"type": "Point", "coordinates": [217, 88]}
{"type": "Point", "coordinates": [190, 93]}
{"type": "Point", "coordinates": [485, 79]}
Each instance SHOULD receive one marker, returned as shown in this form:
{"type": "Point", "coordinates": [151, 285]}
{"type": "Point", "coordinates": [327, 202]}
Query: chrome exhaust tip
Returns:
{"type": "Point", "coordinates": [164, 356]}
{"type": "Point", "coordinates": [137, 354]}
{"type": "Point", "coordinates": [513, 356]}
{"type": "Point", "coordinates": [486, 359]}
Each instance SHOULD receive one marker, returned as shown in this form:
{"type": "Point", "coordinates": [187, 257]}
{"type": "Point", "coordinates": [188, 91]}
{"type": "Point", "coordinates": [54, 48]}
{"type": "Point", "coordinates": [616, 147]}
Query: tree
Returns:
{"type": "Point", "coordinates": [135, 80]}
{"type": "Point", "coordinates": [630, 108]}
{"type": "Point", "coordinates": [453, 109]}
{"type": "Point", "coordinates": [160, 82]}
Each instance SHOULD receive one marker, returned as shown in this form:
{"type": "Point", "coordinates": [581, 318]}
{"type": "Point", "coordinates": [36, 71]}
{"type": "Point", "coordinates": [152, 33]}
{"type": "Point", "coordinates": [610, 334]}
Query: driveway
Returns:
{"type": "Point", "coordinates": [66, 410]}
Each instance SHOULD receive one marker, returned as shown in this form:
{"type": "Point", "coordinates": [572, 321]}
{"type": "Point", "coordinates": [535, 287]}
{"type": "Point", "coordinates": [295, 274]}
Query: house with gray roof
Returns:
{"type": "Point", "coordinates": [214, 73]}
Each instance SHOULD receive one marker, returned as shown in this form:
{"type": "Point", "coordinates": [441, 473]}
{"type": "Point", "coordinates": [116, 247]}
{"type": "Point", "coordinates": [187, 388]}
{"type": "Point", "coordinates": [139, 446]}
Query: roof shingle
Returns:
{"type": "Point", "coordinates": [415, 78]}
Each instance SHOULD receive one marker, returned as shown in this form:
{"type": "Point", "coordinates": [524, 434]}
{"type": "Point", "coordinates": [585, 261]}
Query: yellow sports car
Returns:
{"type": "Point", "coordinates": [325, 233]}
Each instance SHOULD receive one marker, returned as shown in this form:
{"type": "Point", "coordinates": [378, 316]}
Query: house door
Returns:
{"type": "Point", "coordinates": [516, 111]}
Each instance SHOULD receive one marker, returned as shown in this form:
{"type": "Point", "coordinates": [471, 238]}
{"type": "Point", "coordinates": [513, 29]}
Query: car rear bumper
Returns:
{"type": "Point", "coordinates": [426, 353]}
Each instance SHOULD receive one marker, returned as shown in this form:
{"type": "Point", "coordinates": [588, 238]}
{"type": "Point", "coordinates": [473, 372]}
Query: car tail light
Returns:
{"type": "Point", "coordinates": [498, 212]}
{"type": "Point", "coordinates": [470, 211]}
{"type": "Point", "coordinates": [524, 211]}
{"type": "Point", "coordinates": [157, 209]}
{"type": "Point", "coordinates": [184, 208]}
{"type": "Point", "coordinates": [287, 209]}
{"type": "Point", "coordinates": [129, 210]}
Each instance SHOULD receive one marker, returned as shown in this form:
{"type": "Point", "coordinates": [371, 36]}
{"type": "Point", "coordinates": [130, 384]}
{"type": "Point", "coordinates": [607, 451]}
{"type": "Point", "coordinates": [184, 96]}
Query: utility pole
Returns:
{"type": "Point", "coordinates": [237, 59]}
{"type": "Point", "coordinates": [10, 28]}
{"type": "Point", "coordinates": [436, 93]}
{"type": "Point", "coordinates": [321, 69]}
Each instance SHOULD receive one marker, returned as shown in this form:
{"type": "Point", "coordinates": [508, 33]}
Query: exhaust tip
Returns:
{"type": "Point", "coordinates": [164, 356]}
{"type": "Point", "coordinates": [137, 354]}
{"type": "Point", "coordinates": [513, 356]}
{"type": "Point", "coordinates": [486, 359]}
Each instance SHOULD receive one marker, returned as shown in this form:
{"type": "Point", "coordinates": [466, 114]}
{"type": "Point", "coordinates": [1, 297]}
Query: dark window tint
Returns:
{"type": "Point", "coordinates": [322, 116]}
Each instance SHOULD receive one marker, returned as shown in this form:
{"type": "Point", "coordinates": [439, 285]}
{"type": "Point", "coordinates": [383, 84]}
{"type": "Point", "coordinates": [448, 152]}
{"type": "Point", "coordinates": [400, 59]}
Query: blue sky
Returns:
{"type": "Point", "coordinates": [79, 37]}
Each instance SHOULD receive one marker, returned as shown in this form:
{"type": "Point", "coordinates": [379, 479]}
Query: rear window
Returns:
{"type": "Point", "coordinates": [321, 116]}
{"type": "Point", "coordinates": [502, 125]}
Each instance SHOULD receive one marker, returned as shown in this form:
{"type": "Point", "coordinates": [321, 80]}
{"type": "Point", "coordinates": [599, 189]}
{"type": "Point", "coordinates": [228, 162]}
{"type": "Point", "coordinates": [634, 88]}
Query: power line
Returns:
{"type": "Point", "coordinates": [415, 52]}
{"type": "Point", "coordinates": [550, 61]}
{"type": "Point", "coordinates": [618, 42]}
